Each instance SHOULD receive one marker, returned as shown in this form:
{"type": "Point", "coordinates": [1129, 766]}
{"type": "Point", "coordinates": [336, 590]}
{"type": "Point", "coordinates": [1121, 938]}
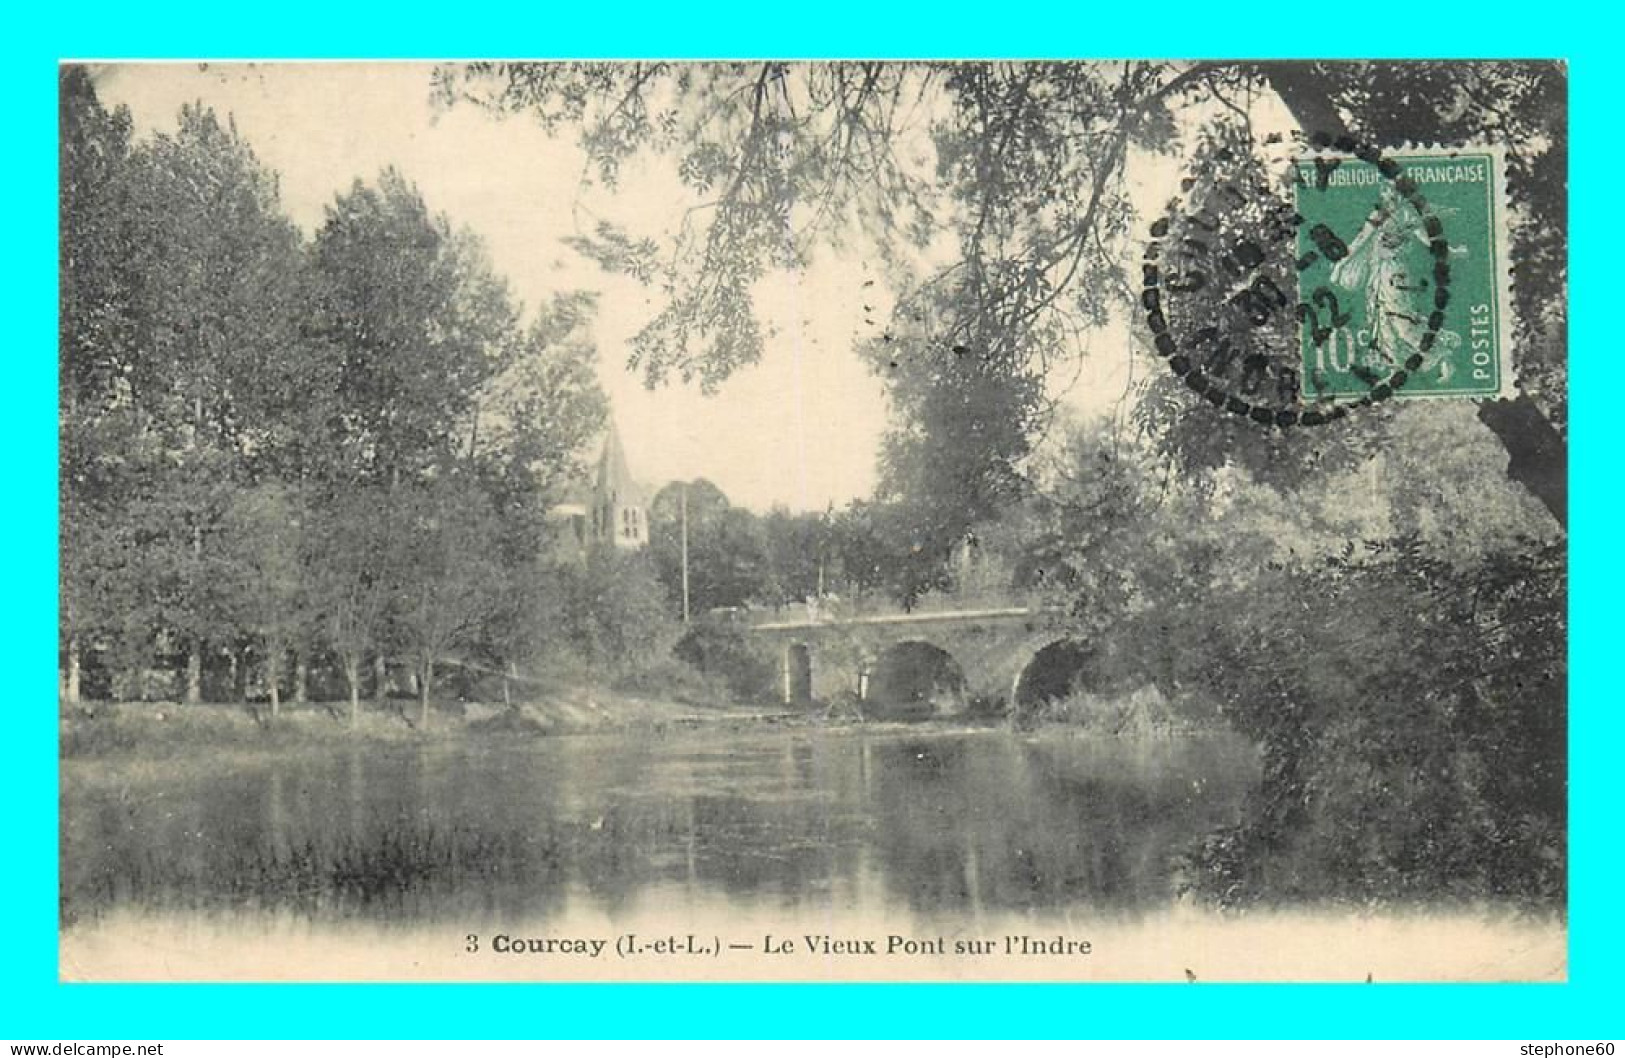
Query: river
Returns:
{"type": "Point", "coordinates": [712, 853]}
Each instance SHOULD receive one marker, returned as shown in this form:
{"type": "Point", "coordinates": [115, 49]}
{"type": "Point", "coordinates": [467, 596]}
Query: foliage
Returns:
{"type": "Point", "coordinates": [1521, 106]}
{"type": "Point", "coordinates": [357, 569]}
{"type": "Point", "coordinates": [94, 320]}
{"type": "Point", "coordinates": [344, 448]}
{"type": "Point", "coordinates": [994, 194]}
{"type": "Point", "coordinates": [739, 559]}
{"type": "Point", "coordinates": [1013, 171]}
{"type": "Point", "coordinates": [611, 610]}
{"type": "Point", "coordinates": [964, 419]}
{"type": "Point", "coordinates": [536, 413]}
{"type": "Point", "coordinates": [417, 324]}
{"type": "Point", "coordinates": [1403, 672]}
{"type": "Point", "coordinates": [779, 153]}
{"type": "Point", "coordinates": [718, 650]}
{"type": "Point", "coordinates": [799, 555]}
{"type": "Point", "coordinates": [455, 578]}
{"type": "Point", "coordinates": [727, 557]}
{"type": "Point", "coordinates": [1413, 723]}
{"type": "Point", "coordinates": [269, 559]}
{"type": "Point", "coordinates": [180, 278]}
{"type": "Point", "coordinates": [862, 552]}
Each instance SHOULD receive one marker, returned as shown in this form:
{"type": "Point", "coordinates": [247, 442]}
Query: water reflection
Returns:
{"type": "Point", "coordinates": [855, 821]}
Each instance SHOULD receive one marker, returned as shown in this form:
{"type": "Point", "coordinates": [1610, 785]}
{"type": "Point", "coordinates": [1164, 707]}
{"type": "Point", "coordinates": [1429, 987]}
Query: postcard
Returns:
{"type": "Point", "coordinates": [814, 521]}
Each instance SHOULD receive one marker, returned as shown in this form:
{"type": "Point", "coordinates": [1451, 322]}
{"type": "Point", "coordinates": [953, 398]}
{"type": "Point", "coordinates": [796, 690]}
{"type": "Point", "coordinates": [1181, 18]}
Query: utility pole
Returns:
{"type": "Point", "coordinates": [682, 501]}
{"type": "Point", "coordinates": [823, 545]}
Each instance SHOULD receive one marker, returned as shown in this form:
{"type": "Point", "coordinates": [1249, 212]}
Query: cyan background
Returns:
{"type": "Point", "coordinates": [33, 1005]}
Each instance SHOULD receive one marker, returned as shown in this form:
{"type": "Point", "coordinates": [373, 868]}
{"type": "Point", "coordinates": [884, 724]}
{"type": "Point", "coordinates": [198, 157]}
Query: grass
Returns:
{"type": "Point", "coordinates": [164, 729]}
{"type": "Point", "coordinates": [1141, 712]}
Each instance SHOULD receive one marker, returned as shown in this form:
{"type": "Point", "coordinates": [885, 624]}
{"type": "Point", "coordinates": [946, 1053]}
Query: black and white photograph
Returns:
{"type": "Point", "coordinates": [861, 520]}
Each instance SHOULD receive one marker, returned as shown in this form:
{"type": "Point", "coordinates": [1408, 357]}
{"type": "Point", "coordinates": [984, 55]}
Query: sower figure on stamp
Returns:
{"type": "Point", "coordinates": [1376, 267]}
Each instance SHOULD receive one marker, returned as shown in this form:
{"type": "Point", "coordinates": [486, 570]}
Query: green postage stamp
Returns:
{"type": "Point", "coordinates": [1402, 268]}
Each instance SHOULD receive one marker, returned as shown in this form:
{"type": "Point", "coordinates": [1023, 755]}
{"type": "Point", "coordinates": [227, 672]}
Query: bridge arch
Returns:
{"type": "Point", "coordinates": [915, 678]}
{"type": "Point", "coordinates": [1053, 672]}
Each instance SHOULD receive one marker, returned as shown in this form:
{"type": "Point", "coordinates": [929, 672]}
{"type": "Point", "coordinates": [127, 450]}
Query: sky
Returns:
{"type": "Point", "coordinates": [800, 429]}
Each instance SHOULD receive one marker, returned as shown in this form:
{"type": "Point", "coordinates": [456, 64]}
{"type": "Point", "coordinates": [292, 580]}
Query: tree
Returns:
{"type": "Point", "coordinates": [727, 559]}
{"type": "Point", "coordinates": [268, 558]}
{"type": "Point", "coordinates": [455, 578]}
{"type": "Point", "coordinates": [95, 350]}
{"type": "Point", "coordinates": [1032, 207]}
{"type": "Point", "coordinates": [964, 419]}
{"type": "Point", "coordinates": [266, 444]}
{"type": "Point", "coordinates": [537, 412]}
{"type": "Point", "coordinates": [356, 572]}
{"type": "Point", "coordinates": [418, 326]}
{"type": "Point", "coordinates": [785, 155]}
{"type": "Point", "coordinates": [1391, 635]}
{"type": "Point", "coordinates": [531, 421]}
{"type": "Point", "coordinates": [1391, 772]}
{"type": "Point", "coordinates": [210, 276]}
{"type": "Point", "coordinates": [522, 619]}
{"type": "Point", "coordinates": [1524, 107]}
{"type": "Point", "coordinates": [863, 548]}
{"type": "Point", "coordinates": [613, 612]}
{"type": "Point", "coordinates": [799, 558]}
{"type": "Point", "coordinates": [451, 417]}
{"type": "Point", "coordinates": [1023, 187]}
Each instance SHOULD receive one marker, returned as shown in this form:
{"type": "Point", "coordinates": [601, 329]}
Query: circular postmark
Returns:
{"type": "Point", "coordinates": [1292, 291]}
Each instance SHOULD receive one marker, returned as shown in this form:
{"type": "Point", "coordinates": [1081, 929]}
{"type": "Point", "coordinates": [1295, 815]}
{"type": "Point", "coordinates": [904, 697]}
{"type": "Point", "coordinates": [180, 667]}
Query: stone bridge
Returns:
{"type": "Point", "coordinates": [941, 663]}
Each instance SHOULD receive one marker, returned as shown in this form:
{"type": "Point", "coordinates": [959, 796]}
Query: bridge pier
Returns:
{"type": "Point", "coordinates": [795, 668]}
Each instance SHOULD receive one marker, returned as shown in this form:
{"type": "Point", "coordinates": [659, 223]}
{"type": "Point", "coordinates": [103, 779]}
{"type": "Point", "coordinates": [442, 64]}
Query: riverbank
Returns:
{"type": "Point", "coordinates": [104, 729]}
{"type": "Point", "coordinates": [1143, 712]}
{"type": "Point", "coordinates": [95, 730]}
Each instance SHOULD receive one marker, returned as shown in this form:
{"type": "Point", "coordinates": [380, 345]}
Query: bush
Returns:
{"type": "Point", "coordinates": [1144, 711]}
{"type": "Point", "coordinates": [1412, 717]}
{"type": "Point", "coordinates": [671, 679]}
{"type": "Point", "coordinates": [724, 653]}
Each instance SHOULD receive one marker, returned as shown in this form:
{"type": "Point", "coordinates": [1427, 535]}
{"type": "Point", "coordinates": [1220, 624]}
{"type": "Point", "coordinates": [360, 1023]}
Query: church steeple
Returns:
{"type": "Point", "coordinates": [620, 510]}
{"type": "Point", "coordinates": [610, 506]}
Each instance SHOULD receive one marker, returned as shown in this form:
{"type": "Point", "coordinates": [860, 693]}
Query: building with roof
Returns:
{"type": "Point", "coordinates": [614, 508]}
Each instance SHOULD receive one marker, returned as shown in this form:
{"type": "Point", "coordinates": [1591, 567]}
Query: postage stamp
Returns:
{"type": "Point", "coordinates": [1404, 272]}
{"type": "Point", "coordinates": [1294, 281]}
